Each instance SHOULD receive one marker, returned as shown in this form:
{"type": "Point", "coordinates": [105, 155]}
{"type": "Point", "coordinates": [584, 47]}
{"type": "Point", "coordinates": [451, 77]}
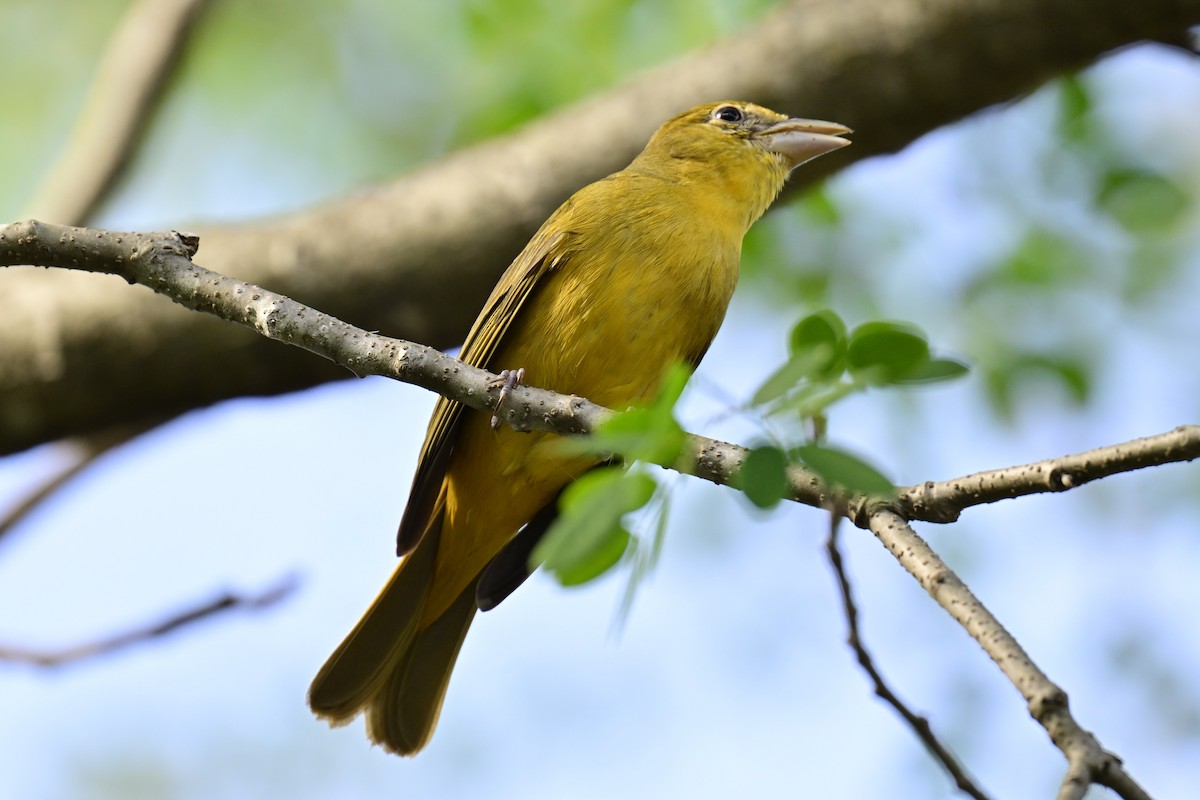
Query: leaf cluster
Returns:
{"type": "Point", "coordinates": [826, 363]}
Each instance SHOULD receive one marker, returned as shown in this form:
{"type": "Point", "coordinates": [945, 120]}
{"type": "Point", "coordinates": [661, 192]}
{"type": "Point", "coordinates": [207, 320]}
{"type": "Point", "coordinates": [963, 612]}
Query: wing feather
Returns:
{"type": "Point", "coordinates": [544, 253]}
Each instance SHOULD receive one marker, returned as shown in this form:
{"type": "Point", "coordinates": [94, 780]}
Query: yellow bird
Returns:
{"type": "Point", "coordinates": [631, 274]}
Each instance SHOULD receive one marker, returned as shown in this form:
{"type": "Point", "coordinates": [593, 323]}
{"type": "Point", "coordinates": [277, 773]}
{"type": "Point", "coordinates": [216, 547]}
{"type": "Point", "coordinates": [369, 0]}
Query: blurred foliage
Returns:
{"type": "Point", "coordinates": [1138, 656]}
{"type": "Point", "coordinates": [319, 96]}
{"type": "Point", "coordinates": [595, 45]}
{"type": "Point", "coordinates": [1051, 223]}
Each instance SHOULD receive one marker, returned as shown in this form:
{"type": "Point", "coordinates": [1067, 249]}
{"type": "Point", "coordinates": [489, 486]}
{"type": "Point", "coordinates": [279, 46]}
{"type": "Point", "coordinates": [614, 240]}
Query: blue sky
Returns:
{"type": "Point", "coordinates": [730, 678]}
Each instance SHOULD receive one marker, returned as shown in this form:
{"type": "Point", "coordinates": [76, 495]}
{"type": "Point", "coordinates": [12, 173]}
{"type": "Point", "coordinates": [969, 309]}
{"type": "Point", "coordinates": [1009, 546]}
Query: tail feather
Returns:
{"type": "Point", "coordinates": [402, 716]}
{"type": "Point", "coordinates": [393, 667]}
{"type": "Point", "coordinates": [363, 663]}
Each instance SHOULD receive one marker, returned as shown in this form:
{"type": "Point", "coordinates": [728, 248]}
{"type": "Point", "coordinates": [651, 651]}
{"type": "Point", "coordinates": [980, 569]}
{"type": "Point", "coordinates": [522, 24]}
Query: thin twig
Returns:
{"type": "Point", "coordinates": [225, 602]}
{"type": "Point", "coordinates": [1087, 761]}
{"type": "Point", "coordinates": [919, 724]}
{"type": "Point", "coordinates": [137, 62]}
{"type": "Point", "coordinates": [85, 452]}
{"type": "Point", "coordinates": [942, 501]}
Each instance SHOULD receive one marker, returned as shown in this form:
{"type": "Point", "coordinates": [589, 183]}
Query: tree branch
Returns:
{"type": "Point", "coordinates": [943, 501]}
{"type": "Point", "coordinates": [416, 257]}
{"type": "Point", "coordinates": [162, 262]}
{"type": "Point", "coordinates": [85, 451]}
{"type": "Point", "coordinates": [129, 83]}
{"type": "Point", "coordinates": [1087, 761]}
{"type": "Point", "coordinates": [919, 724]}
{"type": "Point", "coordinates": [224, 602]}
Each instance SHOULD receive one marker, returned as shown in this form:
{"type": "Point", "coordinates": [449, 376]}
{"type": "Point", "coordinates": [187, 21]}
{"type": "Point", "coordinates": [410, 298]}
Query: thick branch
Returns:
{"type": "Point", "coordinates": [416, 257]}
{"type": "Point", "coordinates": [163, 263]}
{"type": "Point", "coordinates": [1087, 761]}
{"type": "Point", "coordinates": [128, 85]}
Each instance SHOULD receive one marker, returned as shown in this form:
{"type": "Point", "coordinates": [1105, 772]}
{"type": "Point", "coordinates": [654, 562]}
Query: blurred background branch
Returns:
{"type": "Point", "coordinates": [130, 79]}
{"type": "Point", "coordinates": [220, 604]}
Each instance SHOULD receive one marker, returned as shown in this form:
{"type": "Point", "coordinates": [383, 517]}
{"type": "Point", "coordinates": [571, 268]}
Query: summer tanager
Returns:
{"type": "Point", "coordinates": [631, 274]}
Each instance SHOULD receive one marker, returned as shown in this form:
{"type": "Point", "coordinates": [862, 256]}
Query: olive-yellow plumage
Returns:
{"type": "Point", "coordinates": [631, 274]}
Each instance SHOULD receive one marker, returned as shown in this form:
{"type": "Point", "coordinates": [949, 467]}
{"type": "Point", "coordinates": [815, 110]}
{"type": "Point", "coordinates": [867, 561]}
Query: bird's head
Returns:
{"type": "Point", "coordinates": [738, 153]}
{"type": "Point", "coordinates": [730, 132]}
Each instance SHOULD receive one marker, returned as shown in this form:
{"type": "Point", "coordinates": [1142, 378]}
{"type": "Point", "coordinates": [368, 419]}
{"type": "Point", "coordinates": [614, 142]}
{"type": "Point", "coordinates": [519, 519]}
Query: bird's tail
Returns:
{"type": "Point", "coordinates": [393, 666]}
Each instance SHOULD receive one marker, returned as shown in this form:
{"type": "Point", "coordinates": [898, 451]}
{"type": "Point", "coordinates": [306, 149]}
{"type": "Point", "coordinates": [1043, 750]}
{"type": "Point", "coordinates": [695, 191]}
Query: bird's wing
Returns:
{"type": "Point", "coordinates": [544, 253]}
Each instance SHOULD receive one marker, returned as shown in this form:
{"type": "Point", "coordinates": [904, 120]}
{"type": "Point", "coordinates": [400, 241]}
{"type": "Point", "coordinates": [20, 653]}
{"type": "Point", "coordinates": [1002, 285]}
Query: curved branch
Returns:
{"type": "Point", "coordinates": [919, 724]}
{"type": "Point", "coordinates": [227, 601]}
{"type": "Point", "coordinates": [1087, 761]}
{"type": "Point", "coordinates": [129, 82]}
{"type": "Point", "coordinates": [84, 452]}
{"type": "Point", "coordinates": [417, 256]}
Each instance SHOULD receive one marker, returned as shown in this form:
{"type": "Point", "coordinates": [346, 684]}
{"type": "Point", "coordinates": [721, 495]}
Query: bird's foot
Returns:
{"type": "Point", "coordinates": [507, 380]}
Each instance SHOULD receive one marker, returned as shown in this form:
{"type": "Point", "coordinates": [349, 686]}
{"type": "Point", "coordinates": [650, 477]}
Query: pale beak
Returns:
{"type": "Point", "coordinates": [800, 140]}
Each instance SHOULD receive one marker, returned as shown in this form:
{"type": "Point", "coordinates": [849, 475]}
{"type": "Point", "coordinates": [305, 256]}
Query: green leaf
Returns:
{"type": "Point", "coordinates": [886, 352]}
{"type": "Point", "coordinates": [815, 399]}
{"type": "Point", "coordinates": [935, 370]}
{"type": "Point", "coordinates": [763, 476]}
{"type": "Point", "coordinates": [649, 433]}
{"type": "Point", "coordinates": [1074, 107]}
{"type": "Point", "coordinates": [641, 435]}
{"type": "Point", "coordinates": [839, 468]}
{"type": "Point", "coordinates": [1142, 201]}
{"type": "Point", "coordinates": [825, 332]}
{"type": "Point", "coordinates": [817, 345]}
{"type": "Point", "coordinates": [800, 366]}
{"type": "Point", "coordinates": [588, 536]}
{"type": "Point", "coordinates": [820, 207]}
{"type": "Point", "coordinates": [1020, 373]}
{"type": "Point", "coordinates": [606, 554]}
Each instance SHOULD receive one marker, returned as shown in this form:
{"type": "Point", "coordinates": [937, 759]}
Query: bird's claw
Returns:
{"type": "Point", "coordinates": [507, 380]}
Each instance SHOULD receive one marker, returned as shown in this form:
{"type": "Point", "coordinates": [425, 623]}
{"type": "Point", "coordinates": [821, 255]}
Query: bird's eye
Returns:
{"type": "Point", "coordinates": [729, 114]}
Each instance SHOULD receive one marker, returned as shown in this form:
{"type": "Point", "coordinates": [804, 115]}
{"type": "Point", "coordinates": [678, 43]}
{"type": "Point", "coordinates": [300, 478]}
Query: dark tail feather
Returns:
{"type": "Point", "coordinates": [402, 716]}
